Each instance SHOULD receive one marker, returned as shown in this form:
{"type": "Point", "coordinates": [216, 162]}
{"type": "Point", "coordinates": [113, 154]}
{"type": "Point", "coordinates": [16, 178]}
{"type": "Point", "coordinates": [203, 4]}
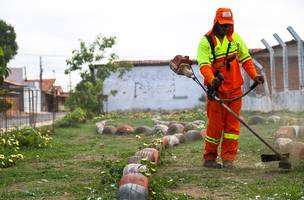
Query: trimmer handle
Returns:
{"type": "Point", "coordinates": [220, 76]}
{"type": "Point", "coordinates": [213, 91]}
{"type": "Point", "coordinates": [254, 85]}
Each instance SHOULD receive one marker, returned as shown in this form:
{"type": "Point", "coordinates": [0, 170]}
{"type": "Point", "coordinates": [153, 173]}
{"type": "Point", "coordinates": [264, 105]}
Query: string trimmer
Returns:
{"type": "Point", "coordinates": [182, 66]}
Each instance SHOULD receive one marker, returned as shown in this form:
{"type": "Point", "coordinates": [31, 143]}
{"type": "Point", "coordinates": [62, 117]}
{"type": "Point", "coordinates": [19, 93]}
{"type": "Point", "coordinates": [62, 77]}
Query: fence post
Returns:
{"type": "Point", "coordinates": [258, 65]}
{"type": "Point", "coordinates": [54, 109]}
{"type": "Point", "coordinates": [300, 55]}
{"type": "Point", "coordinates": [285, 61]}
{"type": "Point", "coordinates": [272, 66]}
{"type": "Point", "coordinates": [30, 109]}
{"type": "Point", "coordinates": [33, 109]}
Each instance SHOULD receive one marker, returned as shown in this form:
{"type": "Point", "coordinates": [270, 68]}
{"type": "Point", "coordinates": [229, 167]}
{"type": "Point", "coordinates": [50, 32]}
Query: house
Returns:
{"type": "Point", "coordinates": [60, 98]}
{"type": "Point", "coordinates": [13, 93]}
{"type": "Point", "coordinates": [50, 94]}
{"type": "Point", "coordinates": [26, 95]}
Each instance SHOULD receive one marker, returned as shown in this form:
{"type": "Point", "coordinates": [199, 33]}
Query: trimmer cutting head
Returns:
{"type": "Point", "coordinates": [284, 164]}
{"type": "Point", "coordinates": [282, 158]}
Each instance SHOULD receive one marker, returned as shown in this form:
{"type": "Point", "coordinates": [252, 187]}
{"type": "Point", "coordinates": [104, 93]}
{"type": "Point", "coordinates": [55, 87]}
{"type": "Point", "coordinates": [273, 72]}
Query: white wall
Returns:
{"type": "Point", "coordinates": [32, 93]}
{"type": "Point", "coordinates": [16, 75]}
{"type": "Point", "coordinates": [157, 87]}
{"type": "Point", "coordinates": [290, 100]}
{"type": "Point", "coordinates": [152, 87]}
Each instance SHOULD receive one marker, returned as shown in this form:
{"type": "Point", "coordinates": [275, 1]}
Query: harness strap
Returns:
{"type": "Point", "coordinates": [227, 63]}
{"type": "Point", "coordinates": [211, 43]}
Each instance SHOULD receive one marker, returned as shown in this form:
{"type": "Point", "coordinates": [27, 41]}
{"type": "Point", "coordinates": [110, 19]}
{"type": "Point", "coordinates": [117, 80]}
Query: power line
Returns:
{"type": "Point", "coordinates": [44, 55]}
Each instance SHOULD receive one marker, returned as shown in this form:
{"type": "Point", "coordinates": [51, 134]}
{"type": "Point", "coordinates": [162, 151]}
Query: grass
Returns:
{"type": "Point", "coordinates": [66, 169]}
{"type": "Point", "coordinates": [251, 179]}
{"type": "Point", "coordinates": [71, 168]}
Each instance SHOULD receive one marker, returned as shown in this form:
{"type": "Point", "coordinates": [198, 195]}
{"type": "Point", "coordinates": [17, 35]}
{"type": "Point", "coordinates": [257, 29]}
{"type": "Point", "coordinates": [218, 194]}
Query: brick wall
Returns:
{"type": "Point", "coordinates": [293, 71]}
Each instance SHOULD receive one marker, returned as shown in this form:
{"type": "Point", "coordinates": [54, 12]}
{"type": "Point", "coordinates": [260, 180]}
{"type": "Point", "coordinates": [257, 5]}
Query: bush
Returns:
{"type": "Point", "coordinates": [72, 119]}
{"type": "Point", "coordinates": [11, 141]}
{"type": "Point", "coordinates": [31, 137]}
{"type": "Point", "coordinates": [78, 115]}
{"type": "Point", "coordinates": [9, 150]}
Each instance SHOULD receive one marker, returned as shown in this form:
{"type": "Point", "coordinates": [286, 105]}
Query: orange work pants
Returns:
{"type": "Point", "coordinates": [223, 126]}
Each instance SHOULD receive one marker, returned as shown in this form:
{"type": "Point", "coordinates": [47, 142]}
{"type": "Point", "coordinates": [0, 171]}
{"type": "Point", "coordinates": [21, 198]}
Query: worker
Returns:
{"type": "Point", "coordinates": [220, 52]}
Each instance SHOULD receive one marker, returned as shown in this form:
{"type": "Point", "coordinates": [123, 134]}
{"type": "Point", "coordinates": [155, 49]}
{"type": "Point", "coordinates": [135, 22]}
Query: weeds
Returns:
{"type": "Point", "coordinates": [13, 140]}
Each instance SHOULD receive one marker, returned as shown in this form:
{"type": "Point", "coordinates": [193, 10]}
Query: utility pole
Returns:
{"type": "Point", "coordinates": [25, 76]}
{"type": "Point", "coordinates": [40, 83]}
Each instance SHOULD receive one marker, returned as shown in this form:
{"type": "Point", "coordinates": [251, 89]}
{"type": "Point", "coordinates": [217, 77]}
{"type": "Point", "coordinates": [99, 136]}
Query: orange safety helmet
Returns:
{"type": "Point", "coordinates": [225, 16]}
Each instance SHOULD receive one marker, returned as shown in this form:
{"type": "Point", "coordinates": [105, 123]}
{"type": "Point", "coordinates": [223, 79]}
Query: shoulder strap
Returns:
{"type": "Point", "coordinates": [210, 40]}
{"type": "Point", "coordinates": [227, 63]}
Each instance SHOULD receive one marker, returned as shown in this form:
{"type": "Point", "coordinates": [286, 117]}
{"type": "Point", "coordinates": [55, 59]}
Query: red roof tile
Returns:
{"type": "Point", "coordinates": [47, 84]}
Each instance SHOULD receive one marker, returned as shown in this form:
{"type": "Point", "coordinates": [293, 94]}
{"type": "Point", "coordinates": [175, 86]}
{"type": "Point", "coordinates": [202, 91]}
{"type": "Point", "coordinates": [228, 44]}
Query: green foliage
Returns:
{"type": "Point", "coordinates": [32, 137]}
{"type": "Point", "coordinates": [9, 150]}
{"type": "Point", "coordinates": [106, 184]}
{"type": "Point", "coordinates": [153, 141]}
{"type": "Point", "coordinates": [91, 53]}
{"type": "Point", "coordinates": [88, 94]}
{"type": "Point", "coordinates": [156, 185]}
{"type": "Point", "coordinates": [159, 185]}
{"type": "Point", "coordinates": [8, 48]}
{"type": "Point", "coordinates": [78, 115]}
{"type": "Point", "coordinates": [73, 119]}
{"type": "Point", "coordinates": [12, 140]}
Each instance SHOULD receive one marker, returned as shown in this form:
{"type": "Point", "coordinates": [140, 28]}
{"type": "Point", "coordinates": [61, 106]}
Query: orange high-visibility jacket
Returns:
{"type": "Point", "coordinates": [238, 53]}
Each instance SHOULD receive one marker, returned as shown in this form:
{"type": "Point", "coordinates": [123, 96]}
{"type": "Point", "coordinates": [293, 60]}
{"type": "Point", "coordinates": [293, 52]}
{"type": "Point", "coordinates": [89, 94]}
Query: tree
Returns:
{"type": "Point", "coordinates": [88, 94]}
{"type": "Point", "coordinates": [8, 48]}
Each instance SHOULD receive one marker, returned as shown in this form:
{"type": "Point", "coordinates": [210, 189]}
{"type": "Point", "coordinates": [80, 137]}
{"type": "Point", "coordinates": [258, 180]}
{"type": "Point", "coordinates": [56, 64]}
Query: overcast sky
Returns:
{"type": "Point", "coordinates": [145, 30]}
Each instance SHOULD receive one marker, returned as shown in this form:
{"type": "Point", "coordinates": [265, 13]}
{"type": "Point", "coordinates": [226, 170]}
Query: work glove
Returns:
{"type": "Point", "coordinates": [259, 79]}
{"type": "Point", "coordinates": [217, 81]}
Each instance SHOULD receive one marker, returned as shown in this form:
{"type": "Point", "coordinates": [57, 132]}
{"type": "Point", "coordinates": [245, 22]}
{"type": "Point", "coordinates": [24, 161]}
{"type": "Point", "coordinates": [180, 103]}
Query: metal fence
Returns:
{"type": "Point", "coordinates": [25, 109]}
{"type": "Point", "coordinates": [284, 71]}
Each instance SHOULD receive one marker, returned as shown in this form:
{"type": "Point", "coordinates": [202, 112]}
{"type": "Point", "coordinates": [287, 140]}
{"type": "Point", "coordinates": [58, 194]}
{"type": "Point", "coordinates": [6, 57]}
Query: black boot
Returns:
{"type": "Point", "coordinates": [228, 164]}
{"type": "Point", "coordinates": [212, 164]}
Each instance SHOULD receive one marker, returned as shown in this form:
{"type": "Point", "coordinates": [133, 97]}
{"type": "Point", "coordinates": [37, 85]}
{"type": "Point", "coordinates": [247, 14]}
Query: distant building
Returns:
{"type": "Point", "coordinates": [26, 95]}
{"type": "Point", "coordinates": [14, 93]}
{"type": "Point", "coordinates": [152, 85]}
{"type": "Point", "coordinates": [52, 97]}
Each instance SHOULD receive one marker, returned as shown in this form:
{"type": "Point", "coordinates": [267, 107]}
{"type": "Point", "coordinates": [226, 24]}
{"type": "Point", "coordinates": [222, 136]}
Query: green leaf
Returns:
{"type": "Point", "coordinates": [95, 62]}
{"type": "Point", "coordinates": [1, 52]}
